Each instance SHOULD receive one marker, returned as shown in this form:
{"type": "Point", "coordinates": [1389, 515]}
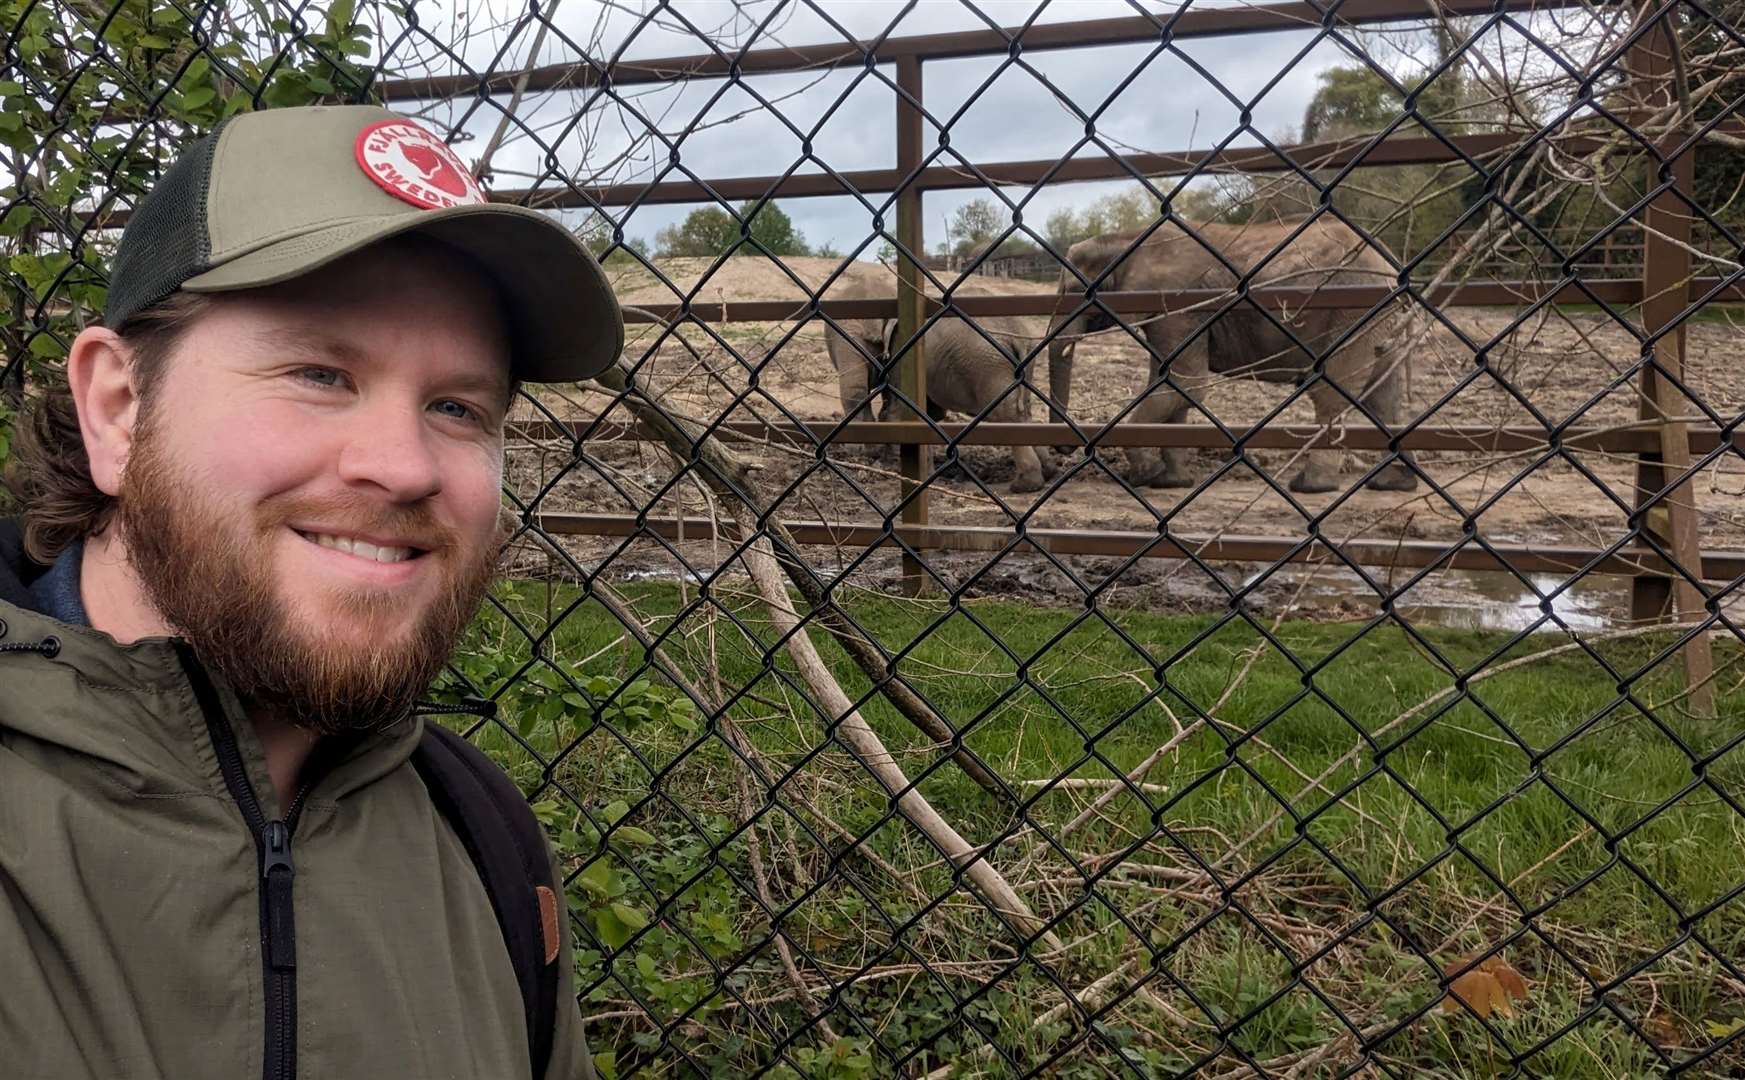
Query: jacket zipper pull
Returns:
{"type": "Point", "coordinates": [277, 872]}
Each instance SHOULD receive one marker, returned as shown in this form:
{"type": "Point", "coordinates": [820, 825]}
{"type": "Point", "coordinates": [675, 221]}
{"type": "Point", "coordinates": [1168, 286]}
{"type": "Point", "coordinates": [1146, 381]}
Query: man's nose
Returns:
{"type": "Point", "coordinates": [389, 448]}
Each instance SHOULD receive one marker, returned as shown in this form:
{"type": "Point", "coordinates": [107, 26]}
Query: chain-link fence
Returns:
{"type": "Point", "coordinates": [1295, 643]}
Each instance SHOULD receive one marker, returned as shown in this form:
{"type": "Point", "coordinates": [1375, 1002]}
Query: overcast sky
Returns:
{"type": "Point", "coordinates": [1166, 106]}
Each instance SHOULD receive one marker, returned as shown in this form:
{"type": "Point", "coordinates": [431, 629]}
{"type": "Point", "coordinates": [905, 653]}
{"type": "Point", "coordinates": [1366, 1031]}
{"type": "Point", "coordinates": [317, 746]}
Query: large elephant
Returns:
{"type": "Point", "coordinates": [1242, 341]}
{"type": "Point", "coordinates": [967, 369]}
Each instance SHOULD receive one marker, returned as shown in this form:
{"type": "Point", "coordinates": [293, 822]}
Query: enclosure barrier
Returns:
{"type": "Point", "coordinates": [1666, 265]}
{"type": "Point", "coordinates": [833, 797]}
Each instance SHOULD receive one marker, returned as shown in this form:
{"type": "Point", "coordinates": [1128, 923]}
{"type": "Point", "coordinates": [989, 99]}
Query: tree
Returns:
{"type": "Point", "coordinates": [709, 231]}
{"type": "Point", "coordinates": [973, 228]}
{"type": "Point", "coordinates": [775, 230]}
{"type": "Point", "coordinates": [1351, 101]}
{"type": "Point", "coordinates": [1403, 206]}
{"type": "Point", "coordinates": [976, 228]}
{"type": "Point", "coordinates": [1127, 210]}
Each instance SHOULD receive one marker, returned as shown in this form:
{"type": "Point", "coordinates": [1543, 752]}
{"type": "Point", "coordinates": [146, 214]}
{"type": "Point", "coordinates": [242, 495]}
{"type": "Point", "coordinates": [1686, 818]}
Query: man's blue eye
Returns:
{"type": "Point", "coordinates": [321, 376]}
{"type": "Point", "coordinates": [461, 411]}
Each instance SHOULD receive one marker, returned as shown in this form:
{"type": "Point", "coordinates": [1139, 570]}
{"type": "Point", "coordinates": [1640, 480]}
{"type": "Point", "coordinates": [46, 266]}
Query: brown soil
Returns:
{"type": "Point", "coordinates": [1564, 366]}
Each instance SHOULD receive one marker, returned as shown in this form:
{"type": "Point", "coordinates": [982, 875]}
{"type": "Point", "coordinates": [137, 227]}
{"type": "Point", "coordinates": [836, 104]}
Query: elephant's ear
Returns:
{"type": "Point", "coordinates": [1117, 280]}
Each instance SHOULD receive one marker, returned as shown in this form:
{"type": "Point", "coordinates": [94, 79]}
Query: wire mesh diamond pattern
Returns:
{"type": "Point", "coordinates": [1252, 602]}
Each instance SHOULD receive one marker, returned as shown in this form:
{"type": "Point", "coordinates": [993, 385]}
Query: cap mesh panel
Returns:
{"type": "Point", "coordinates": [165, 242]}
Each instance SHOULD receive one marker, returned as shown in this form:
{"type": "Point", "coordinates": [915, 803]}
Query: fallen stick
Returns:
{"type": "Point", "coordinates": [869, 750]}
{"type": "Point", "coordinates": [730, 478]}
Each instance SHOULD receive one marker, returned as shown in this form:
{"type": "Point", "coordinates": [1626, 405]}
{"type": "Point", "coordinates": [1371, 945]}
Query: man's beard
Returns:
{"type": "Point", "coordinates": [211, 578]}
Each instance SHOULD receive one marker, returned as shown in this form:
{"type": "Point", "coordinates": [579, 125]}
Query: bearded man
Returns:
{"type": "Point", "coordinates": [255, 520]}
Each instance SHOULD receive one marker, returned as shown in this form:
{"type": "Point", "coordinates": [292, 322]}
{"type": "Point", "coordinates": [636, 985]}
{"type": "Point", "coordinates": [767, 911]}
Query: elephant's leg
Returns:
{"type": "Point", "coordinates": [1320, 471]}
{"type": "Point", "coordinates": [1386, 398]}
{"type": "Point", "coordinates": [851, 376]}
{"type": "Point", "coordinates": [1166, 405]}
{"type": "Point", "coordinates": [1027, 471]}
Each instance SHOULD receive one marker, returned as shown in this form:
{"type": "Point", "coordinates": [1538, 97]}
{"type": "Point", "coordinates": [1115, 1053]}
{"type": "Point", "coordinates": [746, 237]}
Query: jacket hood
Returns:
{"type": "Point", "coordinates": [133, 707]}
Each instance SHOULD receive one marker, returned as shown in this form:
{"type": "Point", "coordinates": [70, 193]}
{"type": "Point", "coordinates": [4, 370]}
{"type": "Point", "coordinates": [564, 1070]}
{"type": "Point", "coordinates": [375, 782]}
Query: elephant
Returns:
{"type": "Point", "coordinates": [967, 371]}
{"type": "Point", "coordinates": [1241, 341]}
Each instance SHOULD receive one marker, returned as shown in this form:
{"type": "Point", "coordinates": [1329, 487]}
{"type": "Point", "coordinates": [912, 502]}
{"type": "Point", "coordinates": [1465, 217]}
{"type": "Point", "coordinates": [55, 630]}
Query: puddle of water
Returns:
{"type": "Point", "coordinates": [1462, 599]}
{"type": "Point", "coordinates": [659, 575]}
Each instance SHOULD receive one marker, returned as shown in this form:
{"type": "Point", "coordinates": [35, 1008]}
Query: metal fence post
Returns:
{"type": "Point", "coordinates": [916, 460]}
{"type": "Point", "coordinates": [1666, 277]}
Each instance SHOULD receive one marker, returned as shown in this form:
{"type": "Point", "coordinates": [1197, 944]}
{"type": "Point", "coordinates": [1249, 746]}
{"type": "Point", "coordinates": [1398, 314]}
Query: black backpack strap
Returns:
{"type": "Point", "coordinates": [507, 845]}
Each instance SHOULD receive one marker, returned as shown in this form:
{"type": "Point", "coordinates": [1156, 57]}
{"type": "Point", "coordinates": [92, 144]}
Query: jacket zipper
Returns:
{"type": "Point", "coordinates": [273, 847]}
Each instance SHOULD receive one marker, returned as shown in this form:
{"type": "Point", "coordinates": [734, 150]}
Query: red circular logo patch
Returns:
{"type": "Point", "coordinates": [411, 164]}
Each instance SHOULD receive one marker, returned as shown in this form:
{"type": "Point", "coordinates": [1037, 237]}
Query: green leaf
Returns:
{"type": "Point", "coordinates": [597, 878]}
{"type": "Point", "coordinates": [321, 85]}
{"type": "Point", "coordinates": [198, 70]}
{"type": "Point", "coordinates": [339, 17]}
{"type": "Point", "coordinates": [198, 96]}
{"type": "Point", "coordinates": [614, 811]}
{"type": "Point", "coordinates": [611, 929]}
{"type": "Point", "coordinates": [46, 347]}
{"type": "Point", "coordinates": [629, 916]}
{"type": "Point", "coordinates": [153, 41]}
{"type": "Point", "coordinates": [630, 834]}
{"type": "Point", "coordinates": [8, 88]}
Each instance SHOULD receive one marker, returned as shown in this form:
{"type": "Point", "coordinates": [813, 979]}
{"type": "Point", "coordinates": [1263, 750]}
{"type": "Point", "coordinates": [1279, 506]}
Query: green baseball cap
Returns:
{"type": "Point", "coordinates": [270, 196]}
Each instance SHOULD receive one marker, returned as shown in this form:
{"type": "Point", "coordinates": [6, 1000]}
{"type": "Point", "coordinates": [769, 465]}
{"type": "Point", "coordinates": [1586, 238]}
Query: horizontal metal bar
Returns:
{"type": "Point", "coordinates": [1404, 554]}
{"type": "Point", "coordinates": [1629, 439]}
{"type": "Point", "coordinates": [1294, 298]}
{"type": "Point", "coordinates": [1129, 30]}
{"type": "Point", "coordinates": [1335, 154]}
{"type": "Point", "coordinates": [1250, 159]}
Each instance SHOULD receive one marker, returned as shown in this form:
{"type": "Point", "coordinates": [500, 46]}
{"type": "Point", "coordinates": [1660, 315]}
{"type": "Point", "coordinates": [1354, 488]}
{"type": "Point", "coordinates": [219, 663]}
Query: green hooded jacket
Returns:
{"type": "Point", "coordinates": [133, 919]}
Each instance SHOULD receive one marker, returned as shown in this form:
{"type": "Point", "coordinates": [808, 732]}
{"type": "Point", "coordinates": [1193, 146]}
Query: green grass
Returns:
{"type": "Point", "coordinates": [1538, 778]}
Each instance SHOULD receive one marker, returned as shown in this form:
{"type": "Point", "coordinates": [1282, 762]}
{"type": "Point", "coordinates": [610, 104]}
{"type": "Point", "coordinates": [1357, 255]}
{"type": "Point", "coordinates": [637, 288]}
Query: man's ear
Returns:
{"type": "Point", "coordinates": [99, 373]}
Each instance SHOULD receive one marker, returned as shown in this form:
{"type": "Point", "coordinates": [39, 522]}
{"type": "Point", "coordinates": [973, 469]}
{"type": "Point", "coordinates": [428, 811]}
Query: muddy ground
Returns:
{"type": "Point", "coordinates": [1563, 364]}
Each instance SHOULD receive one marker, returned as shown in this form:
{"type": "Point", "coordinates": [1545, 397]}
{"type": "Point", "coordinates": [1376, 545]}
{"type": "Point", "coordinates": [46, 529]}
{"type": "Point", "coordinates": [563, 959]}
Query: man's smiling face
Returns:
{"type": "Point", "coordinates": [312, 496]}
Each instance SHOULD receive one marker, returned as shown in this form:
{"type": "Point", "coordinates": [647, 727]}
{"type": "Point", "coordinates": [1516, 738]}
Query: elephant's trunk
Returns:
{"type": "Point", "coordinates": [1060, 353]}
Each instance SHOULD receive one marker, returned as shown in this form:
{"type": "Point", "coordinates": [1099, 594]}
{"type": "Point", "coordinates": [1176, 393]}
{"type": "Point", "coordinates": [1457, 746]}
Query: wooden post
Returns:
{"type": "Point", "coordinates": [916, 460]}
{"type": "Point", "coordinates": [1666, 275]}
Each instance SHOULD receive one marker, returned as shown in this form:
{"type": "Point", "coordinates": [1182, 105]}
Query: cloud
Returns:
{"type": "Point", "coordinates": [1136, 98]}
